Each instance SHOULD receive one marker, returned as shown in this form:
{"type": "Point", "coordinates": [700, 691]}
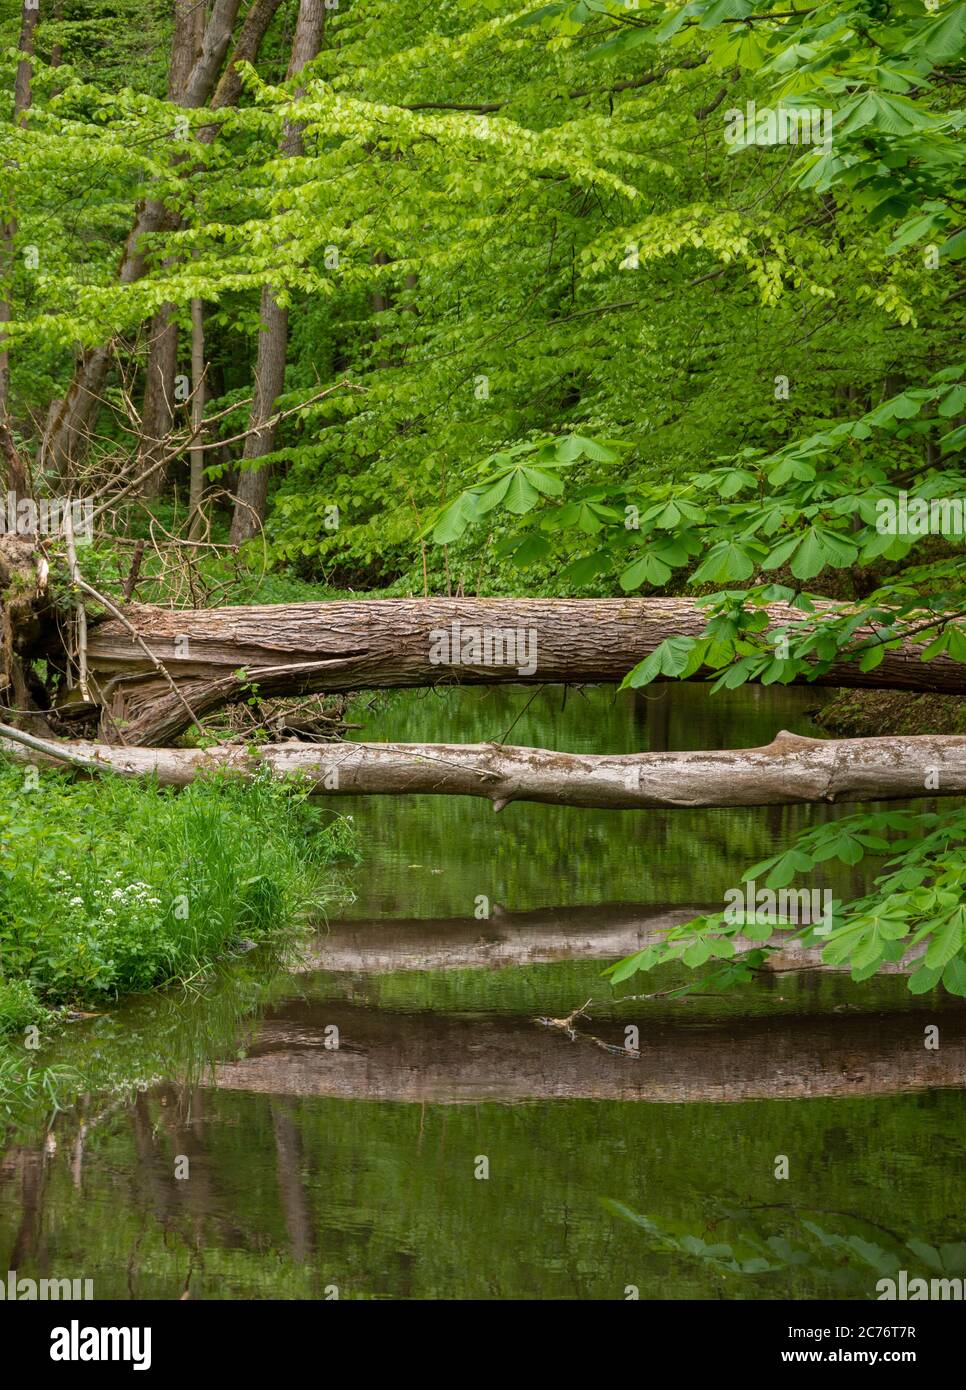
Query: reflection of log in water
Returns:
{"type": "Point", "coordinates": [438, 1058]}
{"type": "Point", "coordinates": [603, 932]}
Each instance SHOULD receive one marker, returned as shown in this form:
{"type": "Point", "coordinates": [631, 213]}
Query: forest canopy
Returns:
{"type": "Point", "coordinates": [573, 299]}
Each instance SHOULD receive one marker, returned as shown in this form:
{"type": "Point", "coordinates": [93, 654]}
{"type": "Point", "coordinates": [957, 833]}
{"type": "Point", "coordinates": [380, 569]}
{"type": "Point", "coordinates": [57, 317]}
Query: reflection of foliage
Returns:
{"type": "Point", "coordinates": [916, 903]}
{"type": "Point", "coordinates": [553, 988]}
{"type": "Point", "coordinates": [853, 1256]}
{"type": "Point", "coordinates": [394, 1212]}
{"type": "Point", "coordinates": [171, 1035]}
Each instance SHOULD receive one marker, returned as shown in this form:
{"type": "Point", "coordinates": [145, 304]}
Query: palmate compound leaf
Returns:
{"type": "Point", "coordinates": [810, 558]}
{"type": "Point", "coordinates": [547, 483]}
{"type": "Point", "coordinates": [845, 941]}
{"type": "Point", "coordinates": [647, 570]}
{"type": "Point", "coordinates": [455, 518]}
{"type": "Point", "coordinates": [640, 961]}
{"type": "Point", "coordinates": [654, 567]}
{"type": "Point", "coordinates": [924, 979]}
{"type": "Point", "coordinates": [780, 871]}
{"type": "Point", "coordinates": [727, 561]}
{"type": "Point", "coordinates": [670, 658]}
{"type": "Point", "coordinates": [587, 567]}
{"type": "Point", "coordinates": [597, 450]}
{"type": "Point", "coordinates": [811, 551]}
{"type": "Point", "coordinates": [523, 551]}
{"type": "Point", "coordinates": [942, 40]}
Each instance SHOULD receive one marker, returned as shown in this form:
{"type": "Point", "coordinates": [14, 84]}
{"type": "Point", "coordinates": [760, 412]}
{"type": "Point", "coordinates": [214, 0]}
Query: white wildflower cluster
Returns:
{"type": "Point", "coordinates": [109, 898]}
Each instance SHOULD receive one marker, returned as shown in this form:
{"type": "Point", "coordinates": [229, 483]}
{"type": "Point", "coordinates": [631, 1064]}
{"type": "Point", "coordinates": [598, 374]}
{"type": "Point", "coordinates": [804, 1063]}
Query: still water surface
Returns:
{"type": "Point", "coordinates": [357, 1171]}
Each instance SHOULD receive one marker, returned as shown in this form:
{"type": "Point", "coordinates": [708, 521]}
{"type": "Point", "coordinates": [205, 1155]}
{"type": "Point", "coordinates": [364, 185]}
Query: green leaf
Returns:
{"type": "Point", "coordinates": [954, 977]}
{"type": "Point", "coordinates": [724, 563]}
{"type": "Point", "coordinates": [946, 941]}
{"type": "Point", "coordinates": [924, 979]}
{"type": "Point", "coordinates": [809, 557]}
{"type": "Point", "coordinates": [669, 658]}
{"type": "Point", "coordinates": [647, 570]}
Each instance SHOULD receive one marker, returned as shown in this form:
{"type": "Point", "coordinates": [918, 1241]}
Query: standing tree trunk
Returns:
{"type": "Point", "coordinates": [8, 230]}
{"type": "Point", "coordinates": [70, 418]}
{"type": "Point", "coordinates": [157, 415]}
{"type": "Point", "coordinates": [252, 497]}
{"type": "Point", "coordinates": [158, 412]}
{"type": "Point", "coordinates": [196, 486]}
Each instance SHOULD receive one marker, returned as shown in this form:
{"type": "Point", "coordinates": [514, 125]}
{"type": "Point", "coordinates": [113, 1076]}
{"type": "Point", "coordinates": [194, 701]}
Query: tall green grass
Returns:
{"type": "Point", "coordinates": [109, 887]}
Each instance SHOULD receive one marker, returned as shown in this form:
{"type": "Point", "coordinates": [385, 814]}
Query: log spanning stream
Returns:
{"type": "Point", "coordinates": [395, 1113]}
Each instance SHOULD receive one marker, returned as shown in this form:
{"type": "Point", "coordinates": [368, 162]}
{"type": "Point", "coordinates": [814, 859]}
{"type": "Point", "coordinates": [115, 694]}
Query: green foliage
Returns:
{"type": "Point", "coordinates": [582, 255]}
{"type": "Point", "coordinates": [109, 887]}
{"type": "Point", "coordinates": [914, 915]}
{"type": "Point", "coordinates": [604, 341]}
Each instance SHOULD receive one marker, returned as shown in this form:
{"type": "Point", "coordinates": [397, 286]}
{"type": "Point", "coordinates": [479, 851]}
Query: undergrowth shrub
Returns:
{"type": "Point", "coordinates": [112, 886]}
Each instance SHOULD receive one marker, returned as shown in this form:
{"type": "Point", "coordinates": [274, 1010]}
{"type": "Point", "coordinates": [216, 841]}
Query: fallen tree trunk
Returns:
{"type": "Point", "coordinates": [790, 769]}
{"type": "Point", "coordinates": [219, 654]}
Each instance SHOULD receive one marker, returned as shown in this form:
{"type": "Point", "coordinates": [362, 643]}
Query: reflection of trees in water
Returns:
{"type": "Point", "coordinates": [288, 1195]}
{"type": "Point", "coordinates": [26, 1169]}
{"type": "Point", "coordinates": [291, 1185]}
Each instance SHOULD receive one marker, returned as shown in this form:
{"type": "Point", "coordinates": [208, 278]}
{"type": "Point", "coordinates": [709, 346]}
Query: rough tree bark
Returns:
{"type": "Point", "coordinates": [216, 655]}
{"type": "Point", "coordinates": [789, 770]}
{"type": "Point", "coordinates": [252, 494]}
{"type": "Point", "coordinates": [246, 50]}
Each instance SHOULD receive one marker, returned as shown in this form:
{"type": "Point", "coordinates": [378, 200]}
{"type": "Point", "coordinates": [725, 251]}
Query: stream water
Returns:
{"type": "Point", "coordinates": [388, 1117]}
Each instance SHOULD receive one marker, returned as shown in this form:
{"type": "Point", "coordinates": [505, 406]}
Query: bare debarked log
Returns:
{"type": "Point", "coordinates": [790, 769]}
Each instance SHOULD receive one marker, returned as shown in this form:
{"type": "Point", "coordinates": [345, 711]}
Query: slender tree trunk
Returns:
{"type": "Point", "coordinates": [246, 50]}
{"type": "Point", "coordinates": [197, 482]}
{"type": "Point", "coordinates": [8, 230]}
{"type": "Point", "coordinates": [157, 414]}
{"type": "Point", "coordinates": [70, 418]}
{"type": "Point", "coordinates": [252, 496]}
